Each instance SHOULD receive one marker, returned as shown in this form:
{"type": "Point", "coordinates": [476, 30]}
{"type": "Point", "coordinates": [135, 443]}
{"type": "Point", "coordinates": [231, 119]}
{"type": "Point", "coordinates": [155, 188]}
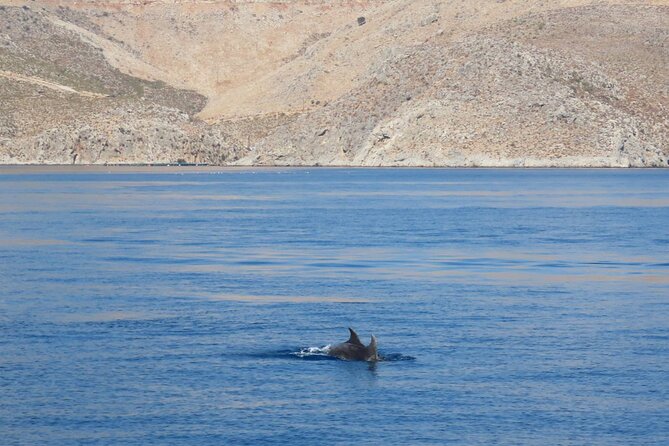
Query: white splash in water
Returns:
{"type": "Point", "coordinates": [312, 351]}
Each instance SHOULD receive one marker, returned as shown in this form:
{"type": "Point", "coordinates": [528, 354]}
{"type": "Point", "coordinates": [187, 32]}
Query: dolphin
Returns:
{"type": "Point", "coordinates": [354, 350]}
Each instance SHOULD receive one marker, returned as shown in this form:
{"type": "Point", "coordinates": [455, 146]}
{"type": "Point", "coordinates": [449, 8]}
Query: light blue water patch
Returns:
{"type": "Point", "coordinates": [185, 306]}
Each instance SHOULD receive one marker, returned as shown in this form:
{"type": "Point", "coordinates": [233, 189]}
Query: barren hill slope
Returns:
{"type": "Point", "coordinates": [385, 82]}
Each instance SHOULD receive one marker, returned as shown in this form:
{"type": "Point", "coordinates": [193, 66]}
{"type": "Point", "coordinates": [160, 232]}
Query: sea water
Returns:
{"type": "Point", "coordinates": [194, 306]}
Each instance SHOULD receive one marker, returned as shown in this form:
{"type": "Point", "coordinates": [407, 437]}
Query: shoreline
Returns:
{"type": "Point", "coordinates": [16, 169]}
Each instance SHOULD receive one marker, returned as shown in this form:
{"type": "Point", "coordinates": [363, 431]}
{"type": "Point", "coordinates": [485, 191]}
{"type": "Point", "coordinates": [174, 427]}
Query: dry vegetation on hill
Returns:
{"type": "Point", "coordinates": [414, 83]}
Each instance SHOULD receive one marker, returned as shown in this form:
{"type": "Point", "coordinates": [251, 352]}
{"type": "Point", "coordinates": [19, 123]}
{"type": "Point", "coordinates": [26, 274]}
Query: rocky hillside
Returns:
{"type": "Point", "coordinates": [315, 82]}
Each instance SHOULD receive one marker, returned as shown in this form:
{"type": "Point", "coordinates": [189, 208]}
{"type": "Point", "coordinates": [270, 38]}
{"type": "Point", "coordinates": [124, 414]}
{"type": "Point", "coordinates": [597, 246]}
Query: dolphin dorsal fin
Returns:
{"type": "Point", "coordinates": [372, 342]}
{"type": "Point", "coordinates": [372, 350]}
{"type": "Point", "coordinates": [354, 339]}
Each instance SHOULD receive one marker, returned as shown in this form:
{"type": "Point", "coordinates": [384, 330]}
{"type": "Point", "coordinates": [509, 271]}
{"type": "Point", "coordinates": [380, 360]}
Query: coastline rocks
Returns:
{"type": "Point", "coordinates": [125, 136]}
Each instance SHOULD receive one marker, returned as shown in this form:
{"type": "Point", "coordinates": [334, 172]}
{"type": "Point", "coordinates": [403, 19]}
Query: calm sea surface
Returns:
{"type": "Point", "coordinates": [170, 306]}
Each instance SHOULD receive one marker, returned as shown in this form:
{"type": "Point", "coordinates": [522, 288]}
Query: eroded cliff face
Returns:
{"type": "Point", "coordinates": [368, 83]}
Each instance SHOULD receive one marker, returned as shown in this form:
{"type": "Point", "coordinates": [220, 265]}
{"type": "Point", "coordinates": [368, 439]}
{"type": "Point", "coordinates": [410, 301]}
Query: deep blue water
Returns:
{"type": "Point", "coordinates": [142, 307]}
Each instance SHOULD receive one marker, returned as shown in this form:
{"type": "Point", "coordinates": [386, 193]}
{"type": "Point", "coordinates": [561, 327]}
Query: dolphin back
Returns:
{"type": "Point", "coordinates": [354, 350]}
